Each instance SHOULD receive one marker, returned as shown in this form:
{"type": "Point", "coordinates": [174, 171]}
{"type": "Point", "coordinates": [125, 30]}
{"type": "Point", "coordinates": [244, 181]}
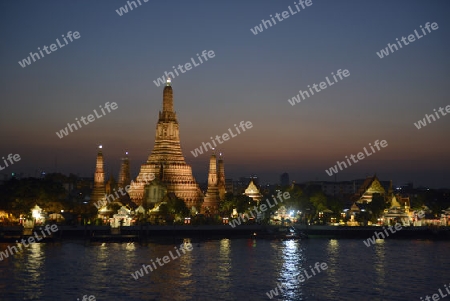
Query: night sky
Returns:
{"type": "Point", "coordinates": [117, 58]}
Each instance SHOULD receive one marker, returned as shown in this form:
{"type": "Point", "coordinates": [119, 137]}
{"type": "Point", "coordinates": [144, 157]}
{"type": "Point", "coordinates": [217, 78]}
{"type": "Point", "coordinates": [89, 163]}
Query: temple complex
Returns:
{"type": "Point", "coordinates": [167, 162]}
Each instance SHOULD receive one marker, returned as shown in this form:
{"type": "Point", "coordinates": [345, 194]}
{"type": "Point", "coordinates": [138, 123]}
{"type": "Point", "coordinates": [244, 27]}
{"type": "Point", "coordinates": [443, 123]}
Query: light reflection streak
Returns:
{"type": "Point", "coordinates": [332, 257]}
{"type": "Point", "coordinates": [379, 261]}
{"type": "Point", "coordinates": [292, 262]}
{"type": "Point", "coordinates": [35, 275]}
{"type": "Point", "coordinates": [332, 260]}
{"type": "Point", "coordinates": [224, 262]}
{"type": "Point", "coordinates": [186, 261]}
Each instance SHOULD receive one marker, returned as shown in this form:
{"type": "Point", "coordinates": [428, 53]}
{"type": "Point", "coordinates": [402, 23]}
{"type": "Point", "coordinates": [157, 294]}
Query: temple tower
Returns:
{"type": "Point", "coordinates": [124, 175]}
{"type": "Point", "coordinates": [110, 185]}
{"type": "Point", "coordinates": [98, 192]}
{"type": "Point", "coordinates": [212, 199]}
{"type": "Point", "coordinates": [221, 178]}
{"type": "Point", "coordinates": [166, 162]}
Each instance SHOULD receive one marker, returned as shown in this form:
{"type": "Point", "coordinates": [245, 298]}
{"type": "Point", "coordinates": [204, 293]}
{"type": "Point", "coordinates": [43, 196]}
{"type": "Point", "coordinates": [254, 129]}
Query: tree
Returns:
{"type": "Point", "coordinates": [241, 203]}
{"type": "Point", "coordinates": [376, 207]}
{"type": "Point", "coordinates": [173, 208]}
{"type": "Point", "coordinates": [19, 196]}
{"type": "Point", "coordinates": [336, 206]}
{"type": "Point", "coordinates": [227, 205]}
{"type": "Point", "coordinates": [417, 201]}
{"type": "Point", "coordinates": [295, 200]}
{"type": "Point", "coordinates": [319, 201]}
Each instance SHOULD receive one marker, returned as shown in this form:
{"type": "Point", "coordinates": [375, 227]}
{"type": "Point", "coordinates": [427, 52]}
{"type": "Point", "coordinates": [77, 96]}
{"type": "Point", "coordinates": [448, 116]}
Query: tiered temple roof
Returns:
{"type": "Point", "coordinates": [253, 191]}
{"type": "Point", "coordinates": [366, 191]}
{"type": "Point", "coordinates": [167, 162]}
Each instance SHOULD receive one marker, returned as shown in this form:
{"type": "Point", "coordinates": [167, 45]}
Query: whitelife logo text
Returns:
{"type": "Point", "coordinates": [284, 15]}
{"type": "Point", "coordinates": [166, 259]}
{"type": "Point", "coordinates": [411, 38]}
{"type": "Point", "coordinates": [187, 67]}
{"type": "Point", "coordinates": [90, 118]}
{"type": "Point", "coordinates": [323, 85]}
{"type": "Point", "coordinates": [124, 9]}
{"type": "Point", "coordinates": [12, 250]}
{"type": "Point", "coordinates": [10, 158]}
{"type": "Point", "coordinates": [243, 125]}
{"type": "Point", "coordinates": [423, 122]}
{"type": "Point", "coordinates": [360, 156]}
{"type": "Point", "coordinates": [241, 218]}
{"type": "Point", "coordinates": [109, 198]}
{"type": "Point", "coordinates": [27, 61]}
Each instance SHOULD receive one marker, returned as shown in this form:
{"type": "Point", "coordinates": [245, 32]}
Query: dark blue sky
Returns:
{"type": "Point", "coordinates": [251, 77]}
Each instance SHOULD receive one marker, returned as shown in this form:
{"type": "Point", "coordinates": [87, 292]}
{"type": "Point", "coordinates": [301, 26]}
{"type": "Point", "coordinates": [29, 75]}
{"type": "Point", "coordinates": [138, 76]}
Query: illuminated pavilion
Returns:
{"type": "Point", "coordinates": [253, 192]}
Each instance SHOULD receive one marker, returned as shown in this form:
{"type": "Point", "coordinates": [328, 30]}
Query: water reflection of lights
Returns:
{"type": "Point", "coordinates": [186, 261]}
{"type": "Point", "coordinates": [379, 260]}
{"type": "Point", "coordinates": [102, 255]}
{"type": "Point", "coordinates": [291, 244]}
{"type": "Point", "coordinates": [34, 264]}
{"type": "Point", "coordinates": [333, 250]}
{"type": "Point", "coordinates": [332, 258]}
{"type": "Point", "coordinates": [251, 242]}
{"type": "Point", "coordinates": [333, 244]}
{"type": "Point", "coordinates": [36, 258]}
{"type": "Point", "coordinates": [225, 246]}
{"type": "Point", "coordinates": [224, 261]}
{"type": "Point", "coordinates": [292, 261]}
{"type": "Point", "coordinates": [131, 246]}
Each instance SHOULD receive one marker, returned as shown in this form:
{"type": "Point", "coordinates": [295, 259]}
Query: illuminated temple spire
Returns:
{"type": "Point", "coordinates": [221, 178]}
{"type": "Point", "coordinates": [99, 178]}
{"type": "Point", "coordinates": [166, 161]}
{"type": "Point", "coordinates": [124, 175]}
{"type": "Point", "coordinates": [168, 97]}
{"type": "Point", "coordinates": [211, 203]}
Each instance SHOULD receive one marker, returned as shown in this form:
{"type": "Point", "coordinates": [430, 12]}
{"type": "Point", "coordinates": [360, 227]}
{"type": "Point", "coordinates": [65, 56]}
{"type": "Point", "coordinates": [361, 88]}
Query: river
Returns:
{"type": "Point", "coordinates": [227, 269]}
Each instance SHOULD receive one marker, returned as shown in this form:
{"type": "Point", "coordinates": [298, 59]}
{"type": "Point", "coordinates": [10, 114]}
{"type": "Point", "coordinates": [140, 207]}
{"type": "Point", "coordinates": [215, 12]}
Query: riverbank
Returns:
{"type": "Point", "coordinates": [201, 232]}
{"type": "Point", "coordinates": [137, 233]}
{"type": "Point", "coordinates": [432, 233]}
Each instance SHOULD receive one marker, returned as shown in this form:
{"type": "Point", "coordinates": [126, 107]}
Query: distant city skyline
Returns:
{"type": "Point", "coordinates": [107, 57]}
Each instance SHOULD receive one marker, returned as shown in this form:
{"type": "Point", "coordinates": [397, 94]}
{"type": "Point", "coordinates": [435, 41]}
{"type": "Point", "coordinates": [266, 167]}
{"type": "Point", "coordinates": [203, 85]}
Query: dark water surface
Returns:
{"type": "Point", "coordinates": [228, 269]}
